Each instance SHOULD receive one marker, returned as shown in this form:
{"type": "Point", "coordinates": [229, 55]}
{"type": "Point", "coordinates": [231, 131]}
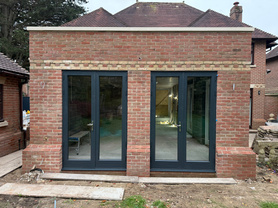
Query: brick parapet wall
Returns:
{"type": "Point", "coordinates": [11, 134]}
{"type": "Point", "coordinates": [148, 46]}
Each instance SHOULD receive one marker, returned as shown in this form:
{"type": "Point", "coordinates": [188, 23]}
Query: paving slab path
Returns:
{"type": "Point", "coordinates": [62, 191]}
{"type": "Point", "coordinates": [10, 162]}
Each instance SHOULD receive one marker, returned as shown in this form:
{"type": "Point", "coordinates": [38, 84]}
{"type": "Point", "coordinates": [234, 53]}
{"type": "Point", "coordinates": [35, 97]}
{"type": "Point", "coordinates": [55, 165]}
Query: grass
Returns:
{"type": "Point", "coordinates": [268, 205]}
{"type": "Point", "coordinates": [135, 201]}
{"type": "Point", "coordinates": [159, 204]}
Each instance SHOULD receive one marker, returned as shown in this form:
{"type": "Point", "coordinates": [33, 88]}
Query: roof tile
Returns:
{"type": "Point", "coordinates": [154, 14]}
{"type": "Point", "coordinates": [272, 54]}
{"type": "Point", "coordinates": [10, 66]}
{"type": "Point", "coordinates": [97, 18]}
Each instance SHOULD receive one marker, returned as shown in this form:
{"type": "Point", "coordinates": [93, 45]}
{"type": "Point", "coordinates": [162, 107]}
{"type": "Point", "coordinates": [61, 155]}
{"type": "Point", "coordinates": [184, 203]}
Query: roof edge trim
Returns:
{"type": "Point", "coordinates": [142, 29]}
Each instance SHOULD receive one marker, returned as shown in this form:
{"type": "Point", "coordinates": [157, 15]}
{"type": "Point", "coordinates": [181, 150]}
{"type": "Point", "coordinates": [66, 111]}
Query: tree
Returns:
{"type": "Point", "coordinates": [16, 15]}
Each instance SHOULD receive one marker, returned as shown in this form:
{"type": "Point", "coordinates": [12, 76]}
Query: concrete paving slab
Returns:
{"type": "Point", "coordinates": [89, 177]}
{"type": "Point", "coordinates": [10, 162]}
{"type": "Point", "coordinates": [62, 191]}
{"type": "Point", "coordinates": [166, 180]}
{"type": "Point", "coordinates": [135, 179]}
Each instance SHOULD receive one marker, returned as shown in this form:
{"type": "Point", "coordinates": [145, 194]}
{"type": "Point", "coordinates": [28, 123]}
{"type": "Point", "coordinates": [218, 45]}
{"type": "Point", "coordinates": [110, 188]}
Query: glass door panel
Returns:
{"type": "Point", "coordinates": [94, 120]}
{"type": "Point", "coordinates": [183, 115]}
{"type": "Point", "coordinates": [166, 121]}
{"type": "Point", "coordinates": [110, 122]}
{"type": "Point", "coordinates": [198, 105]}
{"type": "Point", "coordinates": [79, 117]}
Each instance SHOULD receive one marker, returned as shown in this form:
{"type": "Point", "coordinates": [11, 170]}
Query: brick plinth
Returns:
{"type": "Point", "coordinates": [235, 162]}
{"type": "Point", "coordinates": [46, 157]}
{"type": "Point", "coordinates": [138, 132]}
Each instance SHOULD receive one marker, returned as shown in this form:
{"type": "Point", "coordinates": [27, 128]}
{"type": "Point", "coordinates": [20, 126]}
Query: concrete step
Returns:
{"type": "Point", "coordinates": [135, 179]}
{"type": "Point", "coordinates": [62, 191]}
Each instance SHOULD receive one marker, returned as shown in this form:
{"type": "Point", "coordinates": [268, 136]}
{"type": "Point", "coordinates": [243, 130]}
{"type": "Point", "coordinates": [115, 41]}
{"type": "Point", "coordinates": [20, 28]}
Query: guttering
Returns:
{"type": "Point", "coordinates": [142, 29]}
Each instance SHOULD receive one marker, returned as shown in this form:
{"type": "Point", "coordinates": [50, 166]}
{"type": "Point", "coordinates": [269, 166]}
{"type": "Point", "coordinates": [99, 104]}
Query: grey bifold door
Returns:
{"type": "Point", "coordinates": [183, 120]}
{"type": "Point", "coordinates": [94, 120]}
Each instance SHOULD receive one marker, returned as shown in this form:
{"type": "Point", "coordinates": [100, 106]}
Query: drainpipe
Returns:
{"type": "Point", "coordinates": [23, 81]}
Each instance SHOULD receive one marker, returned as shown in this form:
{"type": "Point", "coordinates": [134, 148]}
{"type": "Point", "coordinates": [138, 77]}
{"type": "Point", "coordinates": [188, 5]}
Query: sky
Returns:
{"type": "Point", "coordinates": [257, 13]}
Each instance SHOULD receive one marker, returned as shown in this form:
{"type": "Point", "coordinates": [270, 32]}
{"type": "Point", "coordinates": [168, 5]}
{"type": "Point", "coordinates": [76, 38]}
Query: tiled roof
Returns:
{"type": "Point", "coordinates": [153, 14]}
{"type": "Point", "coordinates": [97, 18]}
{"type": "Point", "coordinates": [272, 54]}
{"type": "Point", "coordinates": [10, 66]}
{"type": "Point", "coordinates": [214, 19]}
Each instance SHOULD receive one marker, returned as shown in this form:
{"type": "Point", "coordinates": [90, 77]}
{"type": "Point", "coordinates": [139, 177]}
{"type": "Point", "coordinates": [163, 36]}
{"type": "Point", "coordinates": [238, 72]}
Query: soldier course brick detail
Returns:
{"type": "Point", "coordinates": [225, 52]}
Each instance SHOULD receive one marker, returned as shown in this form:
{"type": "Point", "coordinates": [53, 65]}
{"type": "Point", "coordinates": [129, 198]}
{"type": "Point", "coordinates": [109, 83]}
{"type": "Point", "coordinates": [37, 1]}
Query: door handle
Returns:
{"type": "Point", "coordinates": [91, 125]}
{"type": "Point", "coordinates": [179, 126]}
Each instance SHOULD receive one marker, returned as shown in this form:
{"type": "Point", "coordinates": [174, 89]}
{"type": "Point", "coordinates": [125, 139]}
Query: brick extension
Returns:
{"type": "Point", "coordinates": [164, 51]}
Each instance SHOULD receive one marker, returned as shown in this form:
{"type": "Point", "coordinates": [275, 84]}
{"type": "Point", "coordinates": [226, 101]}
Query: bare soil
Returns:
{"type": "Point", "coordinates": [246, 193]}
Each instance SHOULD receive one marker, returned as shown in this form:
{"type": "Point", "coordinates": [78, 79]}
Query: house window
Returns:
{"type": "Point", "coordinates": [1, 103]}
{"type": "Point", "coordinates": [252, 53]}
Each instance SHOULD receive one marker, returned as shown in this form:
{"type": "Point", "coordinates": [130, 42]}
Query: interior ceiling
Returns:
{"type": "Point", "coordinates": [163, 83]}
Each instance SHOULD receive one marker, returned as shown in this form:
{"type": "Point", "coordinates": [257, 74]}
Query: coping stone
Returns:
{"type": "Point", "coordinates": [62, 191]}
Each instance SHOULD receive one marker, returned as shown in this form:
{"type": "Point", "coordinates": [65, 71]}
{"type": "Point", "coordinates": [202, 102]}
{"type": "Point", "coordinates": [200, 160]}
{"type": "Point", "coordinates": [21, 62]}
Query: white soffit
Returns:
{"type": "Point", "coordinates": [142, 29]}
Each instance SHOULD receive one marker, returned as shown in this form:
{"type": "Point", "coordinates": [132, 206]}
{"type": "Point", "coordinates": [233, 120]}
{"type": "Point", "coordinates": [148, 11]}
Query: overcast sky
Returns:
{"type": "Point", "coordinates": [257, 13]}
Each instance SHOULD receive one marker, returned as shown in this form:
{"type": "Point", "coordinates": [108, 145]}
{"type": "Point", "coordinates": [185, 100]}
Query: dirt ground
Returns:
{"type": "Point", "coordinates": [244, 194]}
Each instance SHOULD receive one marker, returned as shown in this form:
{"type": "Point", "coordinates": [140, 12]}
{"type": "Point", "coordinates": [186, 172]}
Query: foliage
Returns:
{"type": "Point", "coordinates": [159, 204]}
{"type": "Point", "coordinates": [135, 201]}
{"type": "Point", "coordinates": [16, 15]}
{"type": "Point", "coordinates": [273, 164]}
{"type": "Point", "coordinates": [268, 205]}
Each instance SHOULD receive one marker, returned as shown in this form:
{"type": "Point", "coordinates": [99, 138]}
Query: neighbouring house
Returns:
{"type": "Point", "coordinates": [158, 89]}
{"type": "Point", "coordinates": [271, 88]}
{"type": "Point", "coordinates": [12, 77]}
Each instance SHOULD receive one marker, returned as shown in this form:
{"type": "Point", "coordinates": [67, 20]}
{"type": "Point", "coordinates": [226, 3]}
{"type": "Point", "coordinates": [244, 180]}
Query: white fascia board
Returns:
{"type": "Point", "coordinates": [142, 29]}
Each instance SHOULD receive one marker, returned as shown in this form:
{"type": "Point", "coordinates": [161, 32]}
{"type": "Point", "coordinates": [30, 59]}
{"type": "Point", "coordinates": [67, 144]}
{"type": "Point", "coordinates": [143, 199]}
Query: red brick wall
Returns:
{"type": "Point", "coordinates": [138, 122]}
{"type": "Point", "coordinates": [271, 106]}
{"type": "Point", "coordinates": [129, 46]}
{"type": "Point", "coordinates": [271, 102]}
{"type": "Point", "coordinates": [45, 120]}
{"type": "Point", "coordinates": [236, 162]}
{"type": "Point", "coordinates": [232, 112]}
{"type": "Point", "coordinates": [9, 135]}
{"type": "Point", "coordinates": [162, 51]}
{"type": "Point", "coordinates": [258, 74]}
